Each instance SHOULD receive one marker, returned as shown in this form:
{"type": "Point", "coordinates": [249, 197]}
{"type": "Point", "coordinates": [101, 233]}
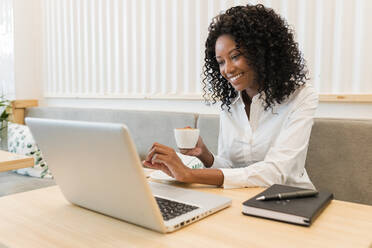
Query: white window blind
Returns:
{"type": "Point", "coordinates": [155, 48]}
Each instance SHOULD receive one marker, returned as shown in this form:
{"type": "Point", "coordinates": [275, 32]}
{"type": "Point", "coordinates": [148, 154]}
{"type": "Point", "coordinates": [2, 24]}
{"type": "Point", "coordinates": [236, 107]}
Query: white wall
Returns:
{"type": "Point", "coordinates": [333, 110]}
{"type": "Point", "coordinates": [28, 49]}
{"type": "Point", "coordinates": [345, 110]}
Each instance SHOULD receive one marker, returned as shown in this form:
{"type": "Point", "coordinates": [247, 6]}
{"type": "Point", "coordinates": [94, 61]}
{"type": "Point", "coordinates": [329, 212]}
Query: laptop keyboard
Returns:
{"type": "Point", "coordinates": [171, 209]}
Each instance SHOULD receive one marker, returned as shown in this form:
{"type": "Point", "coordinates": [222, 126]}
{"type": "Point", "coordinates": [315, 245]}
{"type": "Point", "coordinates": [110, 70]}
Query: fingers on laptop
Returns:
{"type": "Point", "coordinates": [158, 166]}
{"type": "Point", "coordinates": [166, 158]}
{"type": "Point", "coordinates": [158, 149]}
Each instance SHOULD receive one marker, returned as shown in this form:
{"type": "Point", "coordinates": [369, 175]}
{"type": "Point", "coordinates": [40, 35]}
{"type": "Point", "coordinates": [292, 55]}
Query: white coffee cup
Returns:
{"type": "Point", "coordinates": [186, 138]}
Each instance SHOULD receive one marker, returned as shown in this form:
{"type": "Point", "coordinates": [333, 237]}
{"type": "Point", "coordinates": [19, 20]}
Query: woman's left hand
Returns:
{"type": "Point", "coordinates": [164, 158]}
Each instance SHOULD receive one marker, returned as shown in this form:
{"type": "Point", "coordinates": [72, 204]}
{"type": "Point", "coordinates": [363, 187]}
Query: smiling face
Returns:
{"type": "Point", "coordinates": [234, 66]}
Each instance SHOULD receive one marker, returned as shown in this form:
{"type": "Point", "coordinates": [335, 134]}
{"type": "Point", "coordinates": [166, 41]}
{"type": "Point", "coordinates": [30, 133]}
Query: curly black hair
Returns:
{"type": "Point", "coordinates": [267, 43]}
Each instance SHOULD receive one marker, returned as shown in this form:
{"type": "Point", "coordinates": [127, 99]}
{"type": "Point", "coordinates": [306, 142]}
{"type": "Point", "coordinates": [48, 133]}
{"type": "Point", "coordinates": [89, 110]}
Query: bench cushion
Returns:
{"type": "Point", "coordinates": [209, 126]}
{"type": "Point", "coordinates": [339, 158]}
{"type": "Point", "coordinates": [145, 127]}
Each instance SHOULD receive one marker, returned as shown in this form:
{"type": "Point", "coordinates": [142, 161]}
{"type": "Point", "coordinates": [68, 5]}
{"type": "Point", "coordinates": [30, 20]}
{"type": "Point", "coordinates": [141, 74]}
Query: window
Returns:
{"type": "Point", "coordinates": [6, 49]}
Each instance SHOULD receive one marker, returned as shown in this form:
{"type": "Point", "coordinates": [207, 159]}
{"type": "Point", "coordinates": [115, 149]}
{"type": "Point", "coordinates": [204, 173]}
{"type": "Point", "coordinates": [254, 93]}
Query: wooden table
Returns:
{"type": "Point", "coordinates": [43, 218]}
{"type": "Point", "coordinates": [12, 161]}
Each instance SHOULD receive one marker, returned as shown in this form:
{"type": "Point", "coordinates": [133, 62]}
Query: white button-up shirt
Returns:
{"type": "Point", "coordinates": [271, 146]}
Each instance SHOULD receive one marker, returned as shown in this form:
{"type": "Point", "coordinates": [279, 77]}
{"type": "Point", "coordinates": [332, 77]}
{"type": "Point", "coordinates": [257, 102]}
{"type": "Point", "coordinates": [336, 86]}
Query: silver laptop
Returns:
{"type": "Point", "coordinates": [96, 165]}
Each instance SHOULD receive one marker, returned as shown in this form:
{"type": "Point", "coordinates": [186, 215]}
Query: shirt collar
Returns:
{"type": "Point", "coordinates": [236, 98]}
{"type": "Point", "coordinates": [254, 99]}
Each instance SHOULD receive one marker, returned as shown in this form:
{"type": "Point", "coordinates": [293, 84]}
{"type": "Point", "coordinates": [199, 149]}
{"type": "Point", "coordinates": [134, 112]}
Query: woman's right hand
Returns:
{"type": "Point", "coordinates": [201, 152]}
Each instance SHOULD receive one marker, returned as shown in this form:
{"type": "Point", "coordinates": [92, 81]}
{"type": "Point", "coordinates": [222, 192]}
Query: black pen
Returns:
{"type": "Point", "coordinates": [288, 195]}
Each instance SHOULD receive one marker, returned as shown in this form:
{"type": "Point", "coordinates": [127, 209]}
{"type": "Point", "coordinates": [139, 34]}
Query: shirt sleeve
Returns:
{"type": "Point", "coordinates": [286, 157]}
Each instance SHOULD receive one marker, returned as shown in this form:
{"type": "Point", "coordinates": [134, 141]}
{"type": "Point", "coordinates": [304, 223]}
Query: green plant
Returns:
{"type": "Point", "coordinates": [5, 109]}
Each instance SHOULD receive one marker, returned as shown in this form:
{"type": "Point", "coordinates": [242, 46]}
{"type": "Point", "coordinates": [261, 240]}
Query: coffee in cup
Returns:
{"type": "Point", "coordinates": [186, 138]}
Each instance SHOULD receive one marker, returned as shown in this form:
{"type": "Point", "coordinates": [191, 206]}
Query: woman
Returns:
{"type": "Point", "coordinates": [253, 66]}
